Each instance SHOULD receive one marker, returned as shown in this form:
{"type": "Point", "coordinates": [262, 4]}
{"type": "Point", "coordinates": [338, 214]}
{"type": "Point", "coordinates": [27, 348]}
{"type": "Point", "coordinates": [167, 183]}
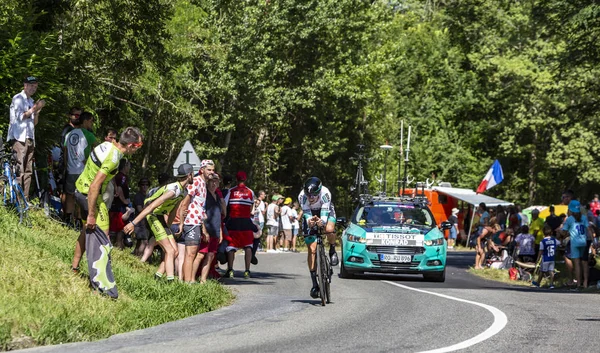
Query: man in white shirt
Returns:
{"type": "Point", "coordinates": [286, 224]}
{"type": "Point", "coordinates": [272, 223]}
{"type": "Point", "coordinates": [24, 115]}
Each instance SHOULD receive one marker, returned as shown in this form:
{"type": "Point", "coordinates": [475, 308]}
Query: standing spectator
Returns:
{"type": "Point", "coordinates": [295, 217]}
{"type": "Point", "coordinates": [514, 222]}
{"type": "Point", "coordinates": [163, 179]}
{"type": "Point", "coordinates": [522, 216]}
{"type": "Point", "coordinates": [286, 224]}
{"type": "Point", "coordinates": [239, 201]}
{"type": "Point", "coordinates": [453, 219]}
{"type": "Point", "coordinates": [548, 247]}
{"type": "Point", "coordinates": [595, 204]}
{"type": "Point", "coordinates": [501, 216]}
{"type": "Point", "coordinates": [193, 203]}
{"type": "Point", "coordinates": [164, 202]}
{"type": "Point", "coordinates": [61, 172]}
{"type": "Point", "coordinates": [141, 230]}
{"type": "Point", "coordinates": [120, 202]}
{"type": "Point", "coordinates": [24, 115]}
{"type": "Point", "coordinates": [537, 228]}
{"type": "Point", "coordinates": [214, 207]}
{"type": "Point", "coordinates": [484, 217]}
{"type": "Point", "coordinates": [99, 170]}
{"type": "Point", "coordinates": [576, 227]}
{"type": "Point", "coordinates": [525, 244]}
{"type": "Point", "coordinates": [553, 221]}
{"type": "Point", "coordinates": [272, 224]}
{"type": "Point", "coordinates": [111, 135]}
{"type": "Point", "coordinates": [77, 145]}
{"type": "Point", "coordinates": [280, 236]}
{"type": "Point", "coordinates": [258, 217]}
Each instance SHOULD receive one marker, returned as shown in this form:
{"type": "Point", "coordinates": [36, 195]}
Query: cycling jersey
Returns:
{"type": "Point", "coordinates": [239, 201]}
{"type": "Point", "coordinates": [104, 159]}
{"type": "Point", "coordinates": [79, 144]}
{"type": "Point", "coordinates": [169, 204]}
{"type": "Point", "coordinates": [323, 207]}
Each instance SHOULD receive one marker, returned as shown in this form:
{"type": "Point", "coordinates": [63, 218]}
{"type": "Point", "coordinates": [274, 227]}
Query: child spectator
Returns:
{"type": "Point", "coordinates": [525, 243]}
{"type": "Point", "coordinates": [548, 247]}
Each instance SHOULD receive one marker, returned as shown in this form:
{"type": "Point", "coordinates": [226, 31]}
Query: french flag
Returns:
{"type": "Point", "coordinates": [493, 177]}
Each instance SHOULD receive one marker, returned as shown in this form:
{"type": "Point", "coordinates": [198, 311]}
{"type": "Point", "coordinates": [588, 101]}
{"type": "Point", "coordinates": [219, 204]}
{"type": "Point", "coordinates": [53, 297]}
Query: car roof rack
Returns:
{"type": "Point", "coordinates": [419, 199]}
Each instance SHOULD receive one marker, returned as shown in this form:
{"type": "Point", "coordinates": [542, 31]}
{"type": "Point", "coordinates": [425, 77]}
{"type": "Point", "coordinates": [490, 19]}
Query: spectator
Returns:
{"type": "Point", "coordinates": [525, 244]}
{"type": "Point", "coordinates": [194, 204]}
{"type": "Point", "coordinates": [286, 224]}
{"type": "Point", "coordinates": [258, 217]}
{"type": "Point", "coordinates": [522, 216]}
{"type": "Point", "coordinates": [514, 222]}
{"type": "Point", "coordinates": [576, 227]}
{"type": "Point", "coordinates": [482, 241]}
{"type": "Point", "coordinates": [553, 220]}
{"type": "Point", "coordinates": [215, 207]}
{"type": "Point", "coordinates": [77, 145]}
{"type": "Point", "coordinates": [272, 223]}
{"type": "Point", "coordinates": [111, 135]}
{"type": "Point", "coordinates": [453, 219]}
{"type": "Point", "coordinates": [595, 204]}
{"type": "Point", "coordinates": [501, 216]}
{"type": "Point", "coordinates": [141, 230]}
{"type": "Point", "coordinates": [163, 202]}
{"type": "Point", "coordinates": [280, 237]}
{"type": "Point", "coordinates": [163, 179]}
{"type": "Point", "coordinates": [227, 180]}
{"type": "Point", "coordinates": [24, 115]}
{"type": "Point", "coordinates": [484, 217]}
{"type": "Point", "coordinates": [95, 179]}
{"type": "Point", "coordinates": [537, 228]}
{"type": "Point", "coordinates": [295, 217]}
{"type": "Point", "coordinates": [548, 247]}
{"type": "Point", "coordinates": [120, 202]}
{"type": "Point", "coordinates": [61, 171]}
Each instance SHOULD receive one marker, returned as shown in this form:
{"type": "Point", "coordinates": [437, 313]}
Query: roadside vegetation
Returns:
{"type": "Point", "coordinates": [44, 303]}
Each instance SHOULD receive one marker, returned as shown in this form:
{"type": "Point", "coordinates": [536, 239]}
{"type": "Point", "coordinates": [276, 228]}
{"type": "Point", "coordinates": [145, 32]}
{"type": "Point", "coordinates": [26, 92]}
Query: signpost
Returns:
{"type": "Point", "coordinates": [187, 155]}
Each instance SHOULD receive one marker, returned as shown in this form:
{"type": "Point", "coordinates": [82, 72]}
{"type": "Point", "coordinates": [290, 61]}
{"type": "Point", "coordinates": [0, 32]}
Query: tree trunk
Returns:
{"type": "Point", "coordinates": [532, 168]}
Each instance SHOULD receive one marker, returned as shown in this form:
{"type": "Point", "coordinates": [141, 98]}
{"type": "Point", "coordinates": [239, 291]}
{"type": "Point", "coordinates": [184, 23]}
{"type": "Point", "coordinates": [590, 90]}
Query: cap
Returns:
{"type": "Point", "coordinates": [206, 162]}
{"type": "Point", "coordinates": [241, 176]}
{"type": "Point", "coordinates": [535, 211]}
{"type": "Point", "coordinates": [288, 200]}
{"type": "Point", "coordinates": [184, 169]}
{"type": "Point", "coordinates": [276, 197]}
{"type": "Point", "coordinates": [214, 176]}
{"type": "Point", "coordinates": [574, 206]}
{"type": "Point", "coordinates": [455, 210]}
{"type": "Point", "coordinates": [30, 79]}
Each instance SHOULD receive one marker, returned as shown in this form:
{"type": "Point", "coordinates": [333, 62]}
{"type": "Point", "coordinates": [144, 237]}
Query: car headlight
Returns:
{"type": "Point", "coordinates": [438, 241]}
{"type": "Point", "coordinates": [356, 239]}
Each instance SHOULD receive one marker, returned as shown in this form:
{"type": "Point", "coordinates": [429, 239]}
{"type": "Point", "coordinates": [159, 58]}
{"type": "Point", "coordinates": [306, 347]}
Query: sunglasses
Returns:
{"type": "Point", "coordinates": [137, 144]}
{"type": "Point", "coordinates": [76, 115]}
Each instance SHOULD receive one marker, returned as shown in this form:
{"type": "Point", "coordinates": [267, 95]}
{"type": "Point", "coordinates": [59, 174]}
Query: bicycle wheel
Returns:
{"type": "Point", "coordinates": [327, 271]}
{"type": "Point", "coordinates": [321, 273]}
{"type": "Point", "coordinates": [21, 205]}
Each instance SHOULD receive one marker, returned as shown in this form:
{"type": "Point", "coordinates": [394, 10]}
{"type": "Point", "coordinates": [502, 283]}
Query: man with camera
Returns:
{"type": "Point", "coordinates": [24, 115]}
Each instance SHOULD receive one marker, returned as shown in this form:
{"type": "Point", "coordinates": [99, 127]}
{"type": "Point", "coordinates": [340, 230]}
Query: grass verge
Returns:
{"type": "Point", "coordinates": [44, 303]}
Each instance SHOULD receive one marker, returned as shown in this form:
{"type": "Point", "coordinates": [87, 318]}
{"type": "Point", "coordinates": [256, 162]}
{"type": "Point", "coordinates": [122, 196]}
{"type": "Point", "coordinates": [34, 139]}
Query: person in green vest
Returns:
{"type": "Point", "coordinates": [160, 211]}
{"type": "Point", "coordinates": [536, 228]}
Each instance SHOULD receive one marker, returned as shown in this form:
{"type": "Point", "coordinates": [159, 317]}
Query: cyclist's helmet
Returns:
{"type": "Point", "coordinates": [312, 186]}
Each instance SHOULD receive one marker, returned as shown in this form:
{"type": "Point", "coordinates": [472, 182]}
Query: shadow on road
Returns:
{"type": "Point", "coordinates": [257, 278]}
{"type": "Point", "coordinates": [313, 302]}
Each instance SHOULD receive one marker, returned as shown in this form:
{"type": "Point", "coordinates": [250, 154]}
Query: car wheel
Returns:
{"type": "Point", "coordinates": [435, 276]}
{"type": "Point", "coordinates": [343, 272]}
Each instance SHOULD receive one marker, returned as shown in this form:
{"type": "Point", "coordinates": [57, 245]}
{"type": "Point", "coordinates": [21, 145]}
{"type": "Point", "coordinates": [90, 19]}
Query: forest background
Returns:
{"type": "Point", "coordinates": [286, 89]}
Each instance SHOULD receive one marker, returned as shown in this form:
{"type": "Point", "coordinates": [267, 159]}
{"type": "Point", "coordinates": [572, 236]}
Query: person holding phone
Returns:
{"type": "Point", "coordinates": [24, 115]}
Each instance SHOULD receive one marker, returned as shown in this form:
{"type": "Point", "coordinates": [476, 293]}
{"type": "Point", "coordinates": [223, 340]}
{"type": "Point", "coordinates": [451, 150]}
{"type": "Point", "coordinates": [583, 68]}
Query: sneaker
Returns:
{"type": "Point", "coordinates": [271, 251]}
{"type": "Point", "coordinates": [254, 260]}
{"type": "Point", "coordinates": [286, 250]}
{"type": "Point", "coordinates": [551, 287]}
{"type": "Point", "coordinates": [247, 274]}
{"type": "Point", "coordinates": [157, 278]}
{"type": "Point", "coordinates": [334, 259]}
{"type": "Point", "coordinates": [314, 292]}
{"type": "Point", "coordinates": [229, 274]}
{"type": "Point", "coordinates": [75, 270]}
{"type": "Point", "coordinates": [535, 284]}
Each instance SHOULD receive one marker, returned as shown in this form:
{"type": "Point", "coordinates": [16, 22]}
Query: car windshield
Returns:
{"type": "Point", "coordinates": [392, 214]}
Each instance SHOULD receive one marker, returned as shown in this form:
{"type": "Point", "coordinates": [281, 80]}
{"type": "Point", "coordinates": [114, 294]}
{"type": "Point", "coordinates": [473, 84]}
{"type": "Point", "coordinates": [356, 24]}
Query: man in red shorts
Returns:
{"type": "Point", "coordinates": [239, 201]}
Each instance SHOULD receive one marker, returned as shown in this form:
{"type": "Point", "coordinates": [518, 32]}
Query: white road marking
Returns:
{"type": "Point", "coordinates": [500, 320]}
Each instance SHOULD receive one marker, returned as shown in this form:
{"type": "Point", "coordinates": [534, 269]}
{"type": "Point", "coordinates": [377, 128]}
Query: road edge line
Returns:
{"type": "Point", "coordinates": [500, 321]}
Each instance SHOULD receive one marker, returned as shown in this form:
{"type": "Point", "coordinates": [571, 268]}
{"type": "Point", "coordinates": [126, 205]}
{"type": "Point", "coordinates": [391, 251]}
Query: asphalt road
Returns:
{"type": "Point", "coordinates": [274, 313]}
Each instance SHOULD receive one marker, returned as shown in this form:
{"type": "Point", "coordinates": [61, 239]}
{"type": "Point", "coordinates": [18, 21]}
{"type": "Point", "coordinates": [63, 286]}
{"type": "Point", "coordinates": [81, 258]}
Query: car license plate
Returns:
{"type": "Point", "coordinates": [394, 258]}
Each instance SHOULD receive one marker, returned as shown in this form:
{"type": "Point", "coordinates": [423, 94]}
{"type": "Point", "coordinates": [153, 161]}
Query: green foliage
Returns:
{"type": "Point", "coordinates": [45, 302]}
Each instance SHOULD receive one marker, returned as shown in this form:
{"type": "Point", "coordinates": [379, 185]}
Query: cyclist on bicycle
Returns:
{"type": "Point", "coordinates": [315, 200]}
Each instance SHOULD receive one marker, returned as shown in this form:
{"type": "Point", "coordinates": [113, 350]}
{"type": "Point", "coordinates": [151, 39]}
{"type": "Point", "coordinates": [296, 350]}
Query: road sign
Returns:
{"type": "Point", "coordinates": [187, 155]}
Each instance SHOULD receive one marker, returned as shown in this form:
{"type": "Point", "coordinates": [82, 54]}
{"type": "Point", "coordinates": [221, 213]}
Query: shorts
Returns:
{"type": "Point", "coordinates": [141, 230]}
{"type": "Point", "coordinates": [579, 252]}
{"type": "Point", "coordinates": [70, 183]}
{"type": "Point", "coordinates": [258, 234]}
{"type": "Point", "coordinates": [239, 239]}
{"type": "Point", "coordinates": [191, 235]}
{"type": "Point", "coordinates": [159, 227]}
{"type": "Point", "coordinates": [547, 266]}
{"type": "Point", "coordinates": [116, 221]}
{"type": "Point", "coordinates": [102, 218]}
{"type": "Point", "coordinates": [210, 247]}
{"type": "Point", "coordinates": [178, 239]}
{"type": "Point", "coordinates": [272, 230]}
{"type": "Point", "coordinates": [287, 234]}
{"type": "Point", "coordinates": [294, 231]}
{"type": "Point", "coordinates": [453, 233]}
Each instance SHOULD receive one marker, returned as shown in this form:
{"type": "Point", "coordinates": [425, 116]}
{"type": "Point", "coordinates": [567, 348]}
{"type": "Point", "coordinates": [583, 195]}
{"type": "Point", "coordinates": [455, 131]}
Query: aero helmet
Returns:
{"type": "Point", "coordinates": [312, 186]}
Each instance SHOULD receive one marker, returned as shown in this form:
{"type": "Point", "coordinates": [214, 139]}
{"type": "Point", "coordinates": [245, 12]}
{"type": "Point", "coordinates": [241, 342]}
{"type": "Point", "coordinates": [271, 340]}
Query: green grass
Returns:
{"type": "Point", "coordinates": [44, 303]}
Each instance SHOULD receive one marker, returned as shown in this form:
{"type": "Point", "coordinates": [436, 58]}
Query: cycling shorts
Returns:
{"type": "Point", "coordinates": [102, 217]}
{"type": "Point", "coordinates": [159, 227]}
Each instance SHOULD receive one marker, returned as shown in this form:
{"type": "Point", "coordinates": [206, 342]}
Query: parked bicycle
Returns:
{"type": "Point", "coordinates": [13, 196]}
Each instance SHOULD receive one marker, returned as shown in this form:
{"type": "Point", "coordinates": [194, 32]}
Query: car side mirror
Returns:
{"type": "Point", "coordinates": [341, 221]}
{"type": "Point", "coordinates": [446, 225]}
